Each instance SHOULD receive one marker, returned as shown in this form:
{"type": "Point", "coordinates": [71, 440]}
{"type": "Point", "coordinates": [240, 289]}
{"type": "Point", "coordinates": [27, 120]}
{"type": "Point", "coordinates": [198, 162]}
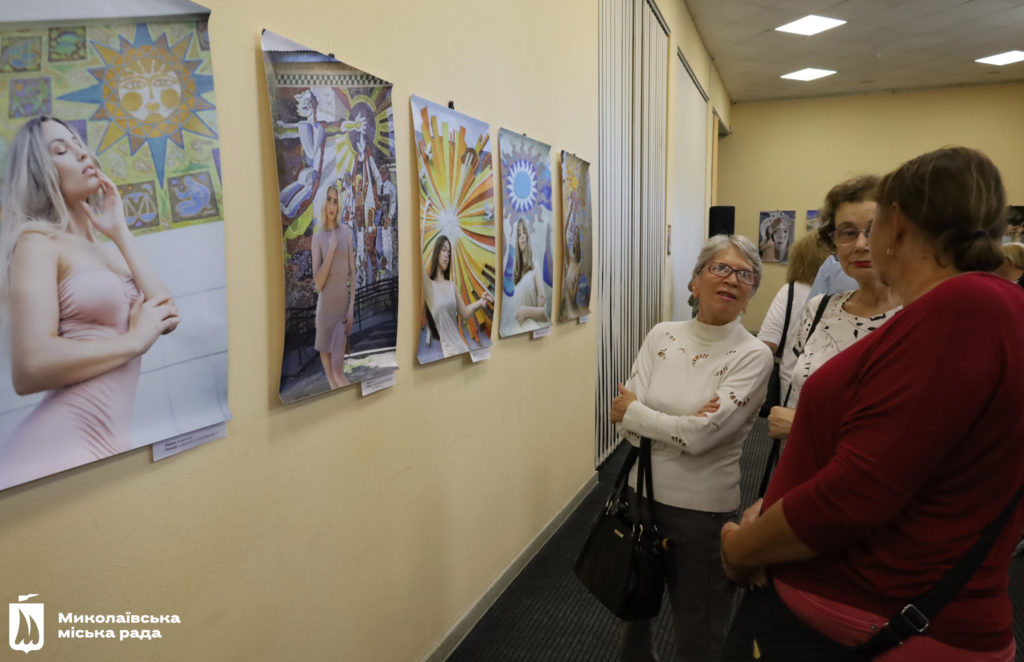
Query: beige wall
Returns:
{"type": "Point", "coordinates": [684, 37]}
{"type": "Point", "coordinates": [787, 154]}
{"type": "Point", "coordinates": [342, 528]}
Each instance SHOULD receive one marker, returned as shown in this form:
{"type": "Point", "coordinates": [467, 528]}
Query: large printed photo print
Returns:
{"type": "Point", "coordinates": [111, 242]}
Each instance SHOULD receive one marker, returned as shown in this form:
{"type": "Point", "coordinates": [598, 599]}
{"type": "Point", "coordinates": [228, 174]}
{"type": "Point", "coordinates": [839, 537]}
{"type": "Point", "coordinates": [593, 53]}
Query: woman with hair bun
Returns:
{"type": "Point", "coordinates": [905, 446]}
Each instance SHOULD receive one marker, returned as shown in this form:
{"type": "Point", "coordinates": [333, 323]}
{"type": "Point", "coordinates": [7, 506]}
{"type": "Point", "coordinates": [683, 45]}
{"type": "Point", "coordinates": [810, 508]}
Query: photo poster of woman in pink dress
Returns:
{"type": "Point", "coordinates": [577, 256]}
{"type": "Point", "coordinates": [456, 229]}
{"type": "Point", "coordinates": [112, 279]}
{"type": "Point", "coordinates": [335, 141]}
{"type": "Point", "coordinates": [526, 280]}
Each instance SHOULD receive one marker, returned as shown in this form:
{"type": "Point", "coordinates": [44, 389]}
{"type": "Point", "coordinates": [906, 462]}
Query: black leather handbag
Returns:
{"type": "Point", "coordinates": [622, 561]}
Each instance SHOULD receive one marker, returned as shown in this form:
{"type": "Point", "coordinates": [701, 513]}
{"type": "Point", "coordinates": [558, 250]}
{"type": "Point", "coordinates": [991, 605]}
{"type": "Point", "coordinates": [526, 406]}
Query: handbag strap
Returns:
{"type": "Point", "coordinates": [645, 484]}
{"type": "Point", "coordinates": [619, 487]}
{"type": "Point", "coordinates": [785, 325]}
{"type": "Point", "coordinates": [916, 616]}
{"type": "Point", "coordinates": [814, 325]}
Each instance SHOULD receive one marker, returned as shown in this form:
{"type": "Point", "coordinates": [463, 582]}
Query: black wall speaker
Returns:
{"type": "Point", "coordinates": [721, 220]}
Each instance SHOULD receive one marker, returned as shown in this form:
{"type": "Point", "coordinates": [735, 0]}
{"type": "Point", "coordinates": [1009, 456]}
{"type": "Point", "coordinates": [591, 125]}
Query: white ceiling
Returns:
{"type": "Point", "coordinates": [885, 44]}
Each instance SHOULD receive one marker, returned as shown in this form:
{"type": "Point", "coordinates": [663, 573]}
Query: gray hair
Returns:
{"type": "Point", "coordinates": [721, 242]}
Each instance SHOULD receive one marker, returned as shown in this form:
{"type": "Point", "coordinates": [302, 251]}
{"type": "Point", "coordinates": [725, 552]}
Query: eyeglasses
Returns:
{"type": "Point", "coordinates": [723, 270]}
{"type": "Point", "coordinates": [849, 235]}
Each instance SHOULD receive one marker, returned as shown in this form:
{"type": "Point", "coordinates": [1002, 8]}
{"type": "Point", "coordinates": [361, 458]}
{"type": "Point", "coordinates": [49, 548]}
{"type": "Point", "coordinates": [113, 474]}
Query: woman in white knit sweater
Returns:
{"type": "Point", "coordinates": [695, 389]}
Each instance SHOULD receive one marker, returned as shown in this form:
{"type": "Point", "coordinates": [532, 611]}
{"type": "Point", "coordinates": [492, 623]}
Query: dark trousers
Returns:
{"type": "Point", "coordinates": [700, 594]}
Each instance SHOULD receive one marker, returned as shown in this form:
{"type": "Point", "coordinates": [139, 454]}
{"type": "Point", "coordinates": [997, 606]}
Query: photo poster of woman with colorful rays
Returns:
{"type": "Point", "coordinates": [457, 231]}
{"type": "Point", "coordinates": [115, 314]}
{"type": "Point", "coordinates": [338, 214]}
{"type": "Point", "coordinates": [526, 279]}
{"type": "Point", "coordinates": [577, 260]}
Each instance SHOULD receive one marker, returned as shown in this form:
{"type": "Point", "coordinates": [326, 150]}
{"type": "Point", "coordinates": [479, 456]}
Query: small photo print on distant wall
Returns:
{"type": "Point", "coordinates": [577, 260]}
{"type": "Point", "coordinates": [526, 224]}
{"type": "Point", "coordinates": [812, 220]}
{"type": "Point", "coordinates": [1014, 225]}
{"type": "Point", "coordinates": [776, 234]}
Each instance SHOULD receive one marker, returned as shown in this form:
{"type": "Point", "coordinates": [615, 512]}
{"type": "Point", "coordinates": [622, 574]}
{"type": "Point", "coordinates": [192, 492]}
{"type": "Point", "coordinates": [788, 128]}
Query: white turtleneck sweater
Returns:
{"type": "Point", "coordinates": [680, 368]}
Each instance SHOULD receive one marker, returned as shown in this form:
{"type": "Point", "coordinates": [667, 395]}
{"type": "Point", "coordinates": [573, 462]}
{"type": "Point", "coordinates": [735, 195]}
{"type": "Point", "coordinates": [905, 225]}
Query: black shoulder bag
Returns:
{"type": "Point", "coordinates": [765, 629]}
{"type": "Point", "coordinates": [622, 561]}
{"type": "Point", "coordinates": [773, 454]}
{"type": "Point", "coordinates": [773, 398]}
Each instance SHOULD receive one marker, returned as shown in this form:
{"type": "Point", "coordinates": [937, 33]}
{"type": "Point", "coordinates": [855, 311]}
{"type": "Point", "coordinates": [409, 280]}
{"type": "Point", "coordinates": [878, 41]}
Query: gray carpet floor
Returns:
{"type": "Point", "coordinates": [547, 615]}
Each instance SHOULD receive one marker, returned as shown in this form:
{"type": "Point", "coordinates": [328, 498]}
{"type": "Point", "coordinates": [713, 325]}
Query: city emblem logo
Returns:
{"type": "Point", "coordinates": [26, 626]}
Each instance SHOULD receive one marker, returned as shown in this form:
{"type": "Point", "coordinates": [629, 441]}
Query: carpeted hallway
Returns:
{"type": "Point", "coordinates": [547, 615]}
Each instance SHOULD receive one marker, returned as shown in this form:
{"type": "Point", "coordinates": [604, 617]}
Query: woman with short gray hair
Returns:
{"type": "Point", "coordinates": [694, 390]}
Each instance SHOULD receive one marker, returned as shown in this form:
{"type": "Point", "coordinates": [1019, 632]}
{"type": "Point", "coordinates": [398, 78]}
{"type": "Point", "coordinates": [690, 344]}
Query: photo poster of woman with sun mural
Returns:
{"type": "Point", "coordinates": [114, 315]}
{"type": "Point", "coordinates": [335, 140]}
{"type": "Point", "coordinates": [526, 224]}
{"type": "Point", "coordinates": [456, 230]}
{"type": "Point", "coordinates": [576, 234]}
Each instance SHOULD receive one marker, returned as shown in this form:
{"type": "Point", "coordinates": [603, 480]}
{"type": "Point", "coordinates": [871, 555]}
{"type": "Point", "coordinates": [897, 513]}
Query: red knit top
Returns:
{"type": "Point", "coordinates": [904, 447]}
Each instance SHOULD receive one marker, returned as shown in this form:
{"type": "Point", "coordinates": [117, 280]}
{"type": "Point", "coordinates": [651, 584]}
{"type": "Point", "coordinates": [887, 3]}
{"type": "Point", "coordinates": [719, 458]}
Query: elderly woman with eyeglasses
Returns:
{"type": "Point", "coordinates": [694, 390]}
{"type": "Point", "coordinates": [847, 317]}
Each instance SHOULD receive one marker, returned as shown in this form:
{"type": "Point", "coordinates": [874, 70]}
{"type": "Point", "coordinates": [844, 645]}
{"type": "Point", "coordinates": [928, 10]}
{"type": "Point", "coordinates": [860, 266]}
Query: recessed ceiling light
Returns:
{"type": "Point", "coordinates": [811, 24]}
{"type": "Point", "coordinates": [1009, 57]}
{"type": "Point", "coordinates": [808, 74]}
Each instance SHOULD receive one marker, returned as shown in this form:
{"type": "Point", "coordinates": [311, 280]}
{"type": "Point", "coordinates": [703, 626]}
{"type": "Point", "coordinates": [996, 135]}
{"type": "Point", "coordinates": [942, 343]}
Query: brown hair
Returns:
{"type": "Point", "coordinates": [955, 196]}
{"type": "Point", "coordinates": [805, 258]}
{"type": "Point", "coordinates": [858, 189]}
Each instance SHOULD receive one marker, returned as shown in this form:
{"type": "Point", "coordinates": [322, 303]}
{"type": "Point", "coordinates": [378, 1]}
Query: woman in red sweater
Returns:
{"type": "Point", "coordinates": [909, 443]}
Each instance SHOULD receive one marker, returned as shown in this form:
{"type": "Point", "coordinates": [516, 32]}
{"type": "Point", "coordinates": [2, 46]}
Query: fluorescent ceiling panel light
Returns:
{"type": "Point", "coordinates": [808, 74]}
{"type": "Point", "coordinates": [1009, 57]}
{"type": "Point", "coordinates": [811, 24]}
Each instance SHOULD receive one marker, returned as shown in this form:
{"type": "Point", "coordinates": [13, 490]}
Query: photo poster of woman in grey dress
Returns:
{"type": "Point", "coordinates": [335, 142]}
{"type": "Point", "coordinates": [526, 279]}
{"type": "Point", "coordinates": [457, 235]}
{"type": "Point", "coordinates": [776, 234]}
{"type": "Point", "coordinates": [577, 260]}
{"type": "Point", "coordinates": [113, 314]}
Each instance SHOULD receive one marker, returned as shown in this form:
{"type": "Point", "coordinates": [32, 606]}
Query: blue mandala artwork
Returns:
{"type": "Point", "coordinates": [521, 185]}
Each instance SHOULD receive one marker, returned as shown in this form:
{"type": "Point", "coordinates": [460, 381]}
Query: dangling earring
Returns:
{"type": "Point", "coordinates": [889, 251]}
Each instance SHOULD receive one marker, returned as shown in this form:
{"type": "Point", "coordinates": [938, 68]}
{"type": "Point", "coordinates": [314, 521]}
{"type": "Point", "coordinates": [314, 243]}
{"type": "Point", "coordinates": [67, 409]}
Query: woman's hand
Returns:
{"type": "Point", "coordinates": [739, 574]}
{"type": "Point", "coordinates": [486, 299]}
{"type": "Point", "coordinates": [332, 243]}
{"type": "Point", "coordinates": [110, 222]}
{"type": "Point", "coordinates": [149, 319]}
{"type": "Point", "coordinates": [348, 323]}
{"type": "Point", "coordinates": [621, 403]}
{"type": "Point", "coordinates": [710, 408]}
{"type": "Point", "coordinates": [780, 420]}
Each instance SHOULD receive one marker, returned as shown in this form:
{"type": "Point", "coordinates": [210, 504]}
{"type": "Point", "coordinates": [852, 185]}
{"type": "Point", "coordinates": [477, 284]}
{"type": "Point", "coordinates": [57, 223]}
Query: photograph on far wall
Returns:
{"type": "Point", "coordinates": [457, 234]}
{"type": "Point", "coordinates": [775, 235]}
{"type": "Point", "coordinates": [577, 236]}
{"type": "Point", "coordinates": [133, 104]}
{"type": "Point", "coordinates": [1014, 232]}
{"type": "Point", "coordinates": [335, 141]}
{"type": "Point", "coordinates": [526, 227]}
{"type": "Point", "coordinates": [812, 220]}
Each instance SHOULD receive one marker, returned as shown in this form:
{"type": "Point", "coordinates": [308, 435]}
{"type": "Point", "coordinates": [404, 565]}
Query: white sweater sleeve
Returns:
{"type": "Point", "coordinates": [639, 380]}
{"type": "Point", "coordinates": [775, 318]}
{"type": "Point", "coordinates": [740, 394]}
